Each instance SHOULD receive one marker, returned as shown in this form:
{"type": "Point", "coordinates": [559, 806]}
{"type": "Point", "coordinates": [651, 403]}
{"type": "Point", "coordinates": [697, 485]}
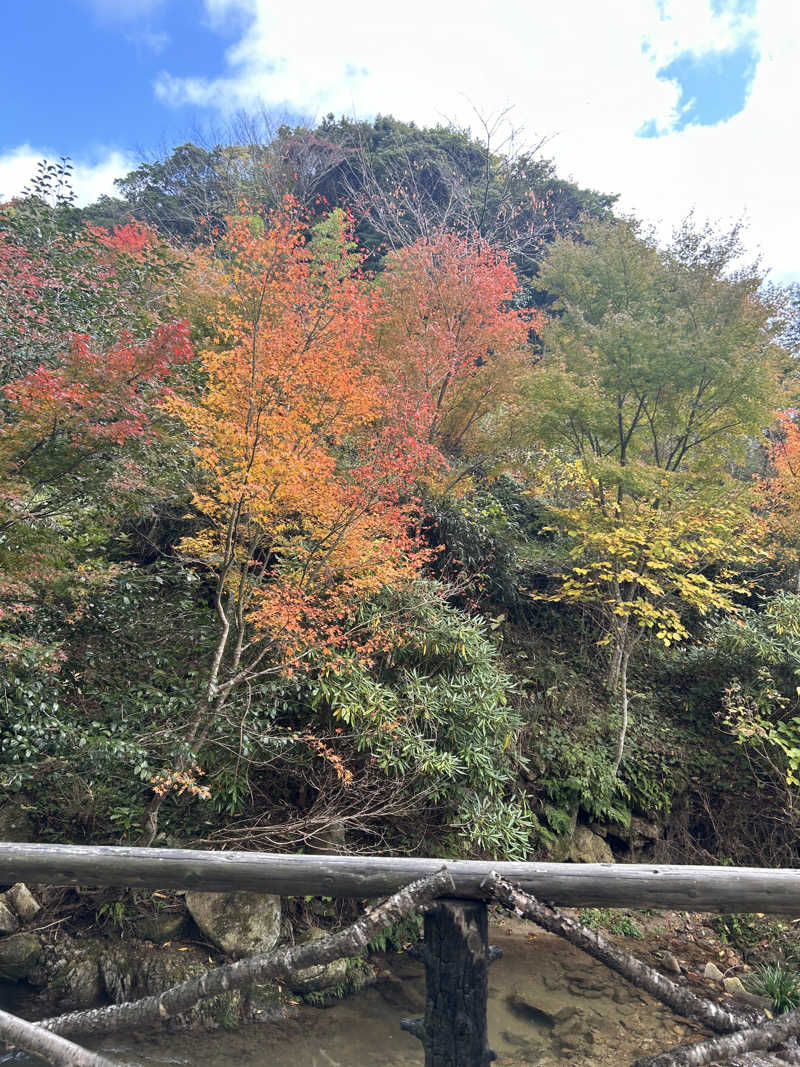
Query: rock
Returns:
{"type": "Point", "coordinates": [19, 955]}
{"type": "Point", "coordinates": [162, 926]}
{"type": "Point", "coordinates": [129, 973]}
{"type": "Point", "coordinates": [642, 831]}
{"type": "Point", "coordinates": [15, 823]}
{"type": "Point", "coordinates": [749, 1001]}
{"type": "Point", "coordinates": [240, 924]}
{"type": "Point", "coordinates": [404, 997]}
{"type": "Point", "coordinates": [70, 970]}
{"type": "Point", "coordinates": [9, 924]}
{"type": "Point", "coordinates": [23, 901]}
{"type": "Point", "coordinates": [712, 973]}
{"type": "Point", "coordinates": [322, 976]}
{"type": "Point", "coordinates": [670, 963]}
{"type": "Point", "coordinates": [733, 985]}
{"type": "Point", "coordinates": [587, 847]}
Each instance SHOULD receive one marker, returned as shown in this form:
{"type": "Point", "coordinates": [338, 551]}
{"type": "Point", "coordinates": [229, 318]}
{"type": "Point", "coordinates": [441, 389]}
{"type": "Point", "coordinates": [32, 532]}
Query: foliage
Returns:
{"type": "Point", "coordinates": [60, 276]}
{"type": "Point", "coordinates": [658, 367]}
{"type": "Point", "coordinates": [755, 662]}
{"type": "Point", "coordinates": [616, 922]}
{"type": "Point", "coordinates": [779, 492]}
{"type": "Point", "coordinates": [433, 708]}
{"type": "Point", "coordinates": [447, 340]}
{"type": "Point", "coordinates": [777, 981]}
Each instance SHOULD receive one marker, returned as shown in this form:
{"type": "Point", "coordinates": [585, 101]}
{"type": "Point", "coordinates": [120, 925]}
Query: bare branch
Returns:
{"type": "Point", "coordinates": [18, 1033]}
{"type": "Point", "coordinates": [257, 969]}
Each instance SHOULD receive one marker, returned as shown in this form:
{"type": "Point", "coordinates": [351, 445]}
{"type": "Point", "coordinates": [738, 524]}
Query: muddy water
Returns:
{"type": "Point", "coordinates": [548, 1004]}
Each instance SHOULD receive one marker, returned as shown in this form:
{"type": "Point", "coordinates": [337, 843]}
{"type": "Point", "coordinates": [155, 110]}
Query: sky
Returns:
{"type": "Point", "coordinates": [676, 105]}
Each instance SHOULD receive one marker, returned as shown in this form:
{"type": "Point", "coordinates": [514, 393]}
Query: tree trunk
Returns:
{"type": "Point", "coordinates": [257, 969]}
{"type": "Point", "coordinates": [457, 987]}
{"type": "Point", "coordinates": [612, 675]}
{"type": "Point", "coordinates": [32, 1038]}
{"type": "Point", "coordinates": [676, 997]}
{"type": "Point", "coordinates": [623, 730]}
{"type": "Point", "coordinates": [721, 1049]}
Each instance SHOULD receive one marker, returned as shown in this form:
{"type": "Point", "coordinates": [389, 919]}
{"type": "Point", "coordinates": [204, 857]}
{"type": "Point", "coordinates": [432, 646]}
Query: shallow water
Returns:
{"type": "Point", "coordinates": [548, 1004]}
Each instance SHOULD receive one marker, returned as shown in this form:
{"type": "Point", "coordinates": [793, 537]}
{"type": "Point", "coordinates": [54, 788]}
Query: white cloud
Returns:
{"type": "Point", "coordinates": [585, 75]}
{"type": "Point", "coordinates": [90, 178]}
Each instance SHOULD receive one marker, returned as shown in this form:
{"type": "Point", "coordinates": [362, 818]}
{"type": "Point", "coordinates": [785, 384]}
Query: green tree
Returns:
{"type": "Point", "coordinates": [659, 369]}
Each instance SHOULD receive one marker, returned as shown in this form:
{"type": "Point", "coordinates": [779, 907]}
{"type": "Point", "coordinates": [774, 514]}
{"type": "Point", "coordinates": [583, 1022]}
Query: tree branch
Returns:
{"type": "Point", "coordinates": [30, 1037]}
{"type": "Point", "coordinates": [257, 969]}
{"type": "Point", "coordinates": [681, 1000]}
{"type": "Point", "coordinates": [756, 1038]}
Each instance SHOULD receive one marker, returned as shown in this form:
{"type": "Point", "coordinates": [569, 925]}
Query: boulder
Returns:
{"type": "Point", "coordinates": [712, 973]}
{"type": "Point", "coordinates": [22, 901]}
{"type": "Point", "coordinates": [642, 832]}
{"type": "Point", "coordinates": [9, 923]}
{"type": "Point", "coordinates": [161, 926]}
{"type": "Point", "coordinates": [239, 924]}
{"type": "Point", "coordinates": [588, 847]}
{"type": "Point", "coordinates": [70, 971]}
{"type": "Point", "coordinates": [322, 976]}
{"type": "Point", "coordinates": [19, 955]}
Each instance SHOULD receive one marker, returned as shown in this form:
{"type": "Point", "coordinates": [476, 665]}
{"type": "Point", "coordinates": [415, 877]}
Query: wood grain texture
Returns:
{"type": "Point", "coordinates": [565, 884]}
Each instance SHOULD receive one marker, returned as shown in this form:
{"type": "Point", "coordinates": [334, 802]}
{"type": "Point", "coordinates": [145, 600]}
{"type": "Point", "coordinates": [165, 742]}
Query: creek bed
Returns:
{"type": "Point", "coordinates": [548, 1005]}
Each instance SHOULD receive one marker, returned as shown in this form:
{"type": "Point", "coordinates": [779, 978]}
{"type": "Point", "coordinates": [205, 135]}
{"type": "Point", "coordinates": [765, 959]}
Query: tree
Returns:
{"type": "Point", "coordinates": [449, 342]}
{"type": "Point", "coordinates": [405, 182]}
{"type": "Point", "coordinates": [304, 469]}
{"type": "Point", "coordinates": [779, 491]}
{"type": "Point", "coordinates": [659, 368]}
{"type": "Point", "coordinates": [60, 276]}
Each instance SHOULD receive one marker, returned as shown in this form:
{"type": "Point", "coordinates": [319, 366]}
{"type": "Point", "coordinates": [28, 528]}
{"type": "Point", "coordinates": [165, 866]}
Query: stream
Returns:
{"type": "Point", "coordinates": [548, 1005]}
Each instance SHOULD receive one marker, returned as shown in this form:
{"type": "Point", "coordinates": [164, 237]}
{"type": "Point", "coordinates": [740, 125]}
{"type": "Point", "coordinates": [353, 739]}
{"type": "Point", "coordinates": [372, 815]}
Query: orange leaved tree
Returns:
{"type": "Point", "coordinates": [779, 492]}
{"type": "Point", "coordinates": [304, 462]}
{"type": "Point", "coordinates": [449, 340]}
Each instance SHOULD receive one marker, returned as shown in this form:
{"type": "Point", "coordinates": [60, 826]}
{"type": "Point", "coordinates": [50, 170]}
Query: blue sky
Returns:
{"type": "Point", "coordinates": [675, 104]}
{"type": "Point", "coordinates": [94, 72]}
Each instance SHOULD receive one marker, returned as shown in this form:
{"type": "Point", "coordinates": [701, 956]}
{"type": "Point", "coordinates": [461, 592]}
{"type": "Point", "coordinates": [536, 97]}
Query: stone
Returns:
{"type": "Point", "coordinates": [9, 923]}
{"type": "Point", "coordinates": [712, 973]}
{"type": "Point", "coordinates": [642, 831]}
{"type": "Point", "coordinates": [19, 955]}
{"type": "Point", "coordinates": [588, 847]}
{"type": "Point", "coordinates": [15, 823]}
{"type": "Point", "coordinates": [323, 975]}
{"type": "Point", "coordinates": [161, 926]}
{"type": "Point", "coordinates": [70, 970]}
{"type": "Point", "coordinates": [733, 985]}
{"type": "Point", "coordinates": [23, 901]}
{"type": "Point", "coordinates": [239, 924]}
{"type": "Point", "coordinates": [670, 963]}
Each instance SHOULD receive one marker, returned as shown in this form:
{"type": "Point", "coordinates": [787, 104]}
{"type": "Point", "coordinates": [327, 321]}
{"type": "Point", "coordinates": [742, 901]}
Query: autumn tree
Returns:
{"type": "Point", "coordinates": [304, 465]}
{"type": "Point", "coordinates": [450, 343]}
{"type": "Point", "coordinates": [659, 368]}
{"type": "Point", "coordinates": [778, 492]}
{"type": "Point", "coordinates": [59, 276]}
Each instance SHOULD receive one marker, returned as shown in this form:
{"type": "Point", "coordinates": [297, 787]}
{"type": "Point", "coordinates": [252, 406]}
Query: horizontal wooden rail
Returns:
{"type": "Point", "coordinates": [722, 889]}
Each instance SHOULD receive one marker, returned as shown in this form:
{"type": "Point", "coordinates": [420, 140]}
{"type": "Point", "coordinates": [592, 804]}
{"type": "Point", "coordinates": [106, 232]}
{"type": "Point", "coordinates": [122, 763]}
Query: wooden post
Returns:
{"type": "Point", "coordinates": [456, 955]}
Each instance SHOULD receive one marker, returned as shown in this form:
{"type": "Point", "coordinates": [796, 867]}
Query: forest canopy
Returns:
{"type": "Point", "coordinates": [371, 483]}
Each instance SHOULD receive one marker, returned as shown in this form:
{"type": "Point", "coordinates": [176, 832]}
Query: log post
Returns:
{"type": "Point", "coordinates": [456, 956]}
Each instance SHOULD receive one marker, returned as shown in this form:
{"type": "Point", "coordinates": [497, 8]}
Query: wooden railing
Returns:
{"type": "Point", "coordinates": [456, 950]}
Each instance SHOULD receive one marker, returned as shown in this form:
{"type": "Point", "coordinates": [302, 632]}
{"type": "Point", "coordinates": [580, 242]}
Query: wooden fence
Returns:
{"type": "Point", "coordinates": [457, 953]}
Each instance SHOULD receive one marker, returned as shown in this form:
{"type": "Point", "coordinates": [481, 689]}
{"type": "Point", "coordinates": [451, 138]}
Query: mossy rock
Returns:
{"type": "Point", "coordinates": [239, 924]}
{"type": "Point", "coordinates": [19, 956]}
